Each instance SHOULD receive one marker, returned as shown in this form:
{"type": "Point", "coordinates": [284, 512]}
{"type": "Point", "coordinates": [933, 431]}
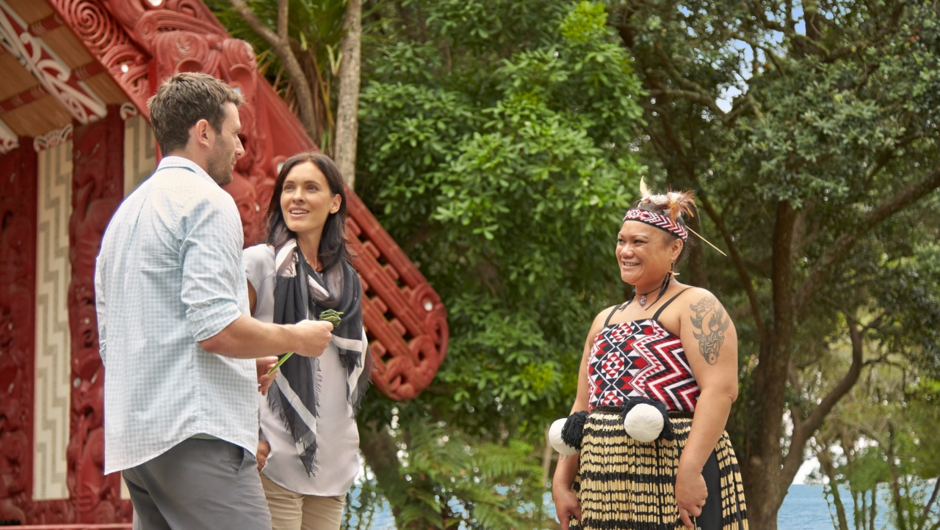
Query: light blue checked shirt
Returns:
{"type": "Point", "coordinates": [169, 274]}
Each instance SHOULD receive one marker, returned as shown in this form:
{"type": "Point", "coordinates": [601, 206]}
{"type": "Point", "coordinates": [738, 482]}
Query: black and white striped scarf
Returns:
{"type": "Point", "coordinates": [293, 395]}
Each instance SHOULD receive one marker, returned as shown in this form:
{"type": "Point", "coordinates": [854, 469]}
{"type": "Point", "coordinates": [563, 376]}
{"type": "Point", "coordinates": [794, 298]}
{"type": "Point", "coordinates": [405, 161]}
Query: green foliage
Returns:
{"type": "Point", "coordinates": [504, 175]}
{"type": "Point", "coordinates": [884, 434]}
{"type": "Point", "coordinates": [315, 31]}
{"type": "Point", "coordinates": [497, 146]}
{"type": "Point", "coordinates": [586, 23]}
{"type": "Point", "coordinates": [454, 482]}
{"type": "Point", "coordinates": [911, 289]}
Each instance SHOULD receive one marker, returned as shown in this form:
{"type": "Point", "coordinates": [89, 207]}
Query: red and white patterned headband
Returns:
{"type": "Point", "coordinates": [658, 220]}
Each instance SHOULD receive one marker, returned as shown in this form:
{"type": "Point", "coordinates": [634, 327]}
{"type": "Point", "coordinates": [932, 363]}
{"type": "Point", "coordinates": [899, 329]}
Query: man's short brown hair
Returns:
{"type": "Point", "coordinates": [184, 99]}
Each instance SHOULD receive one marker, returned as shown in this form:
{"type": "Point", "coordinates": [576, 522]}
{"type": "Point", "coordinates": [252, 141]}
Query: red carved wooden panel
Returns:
{"type": "Point", "coordinates": [405, 320]}
{"type": "Point", "coordinates": [17, 329]}
{"type": "Point", "coordinates": [404, 317]}
{"type": "Point", "coordinates": [139, 45]}
{"type": "Point", "coordinates": [97, 190]}
{"type": "Point", "coordinates": [109, 43]}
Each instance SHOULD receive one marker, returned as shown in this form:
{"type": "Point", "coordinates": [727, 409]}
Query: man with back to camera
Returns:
{"type": "Point", "coordinates": [181, 416]}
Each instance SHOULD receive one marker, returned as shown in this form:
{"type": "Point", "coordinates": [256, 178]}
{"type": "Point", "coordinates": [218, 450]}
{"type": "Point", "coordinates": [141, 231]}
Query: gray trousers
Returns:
{"type": "Point", "coordinates": [198, 484]}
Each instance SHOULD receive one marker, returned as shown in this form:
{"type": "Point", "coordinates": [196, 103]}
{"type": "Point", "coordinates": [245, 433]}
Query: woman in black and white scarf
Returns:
{"type": "Point", "coordinates": [302, 270]}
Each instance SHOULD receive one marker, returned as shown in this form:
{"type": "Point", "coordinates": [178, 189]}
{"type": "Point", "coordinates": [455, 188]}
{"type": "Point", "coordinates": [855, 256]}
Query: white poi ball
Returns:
{"type": "Point", "coordinates": [554, 438]}
{"type": "Point", "coordinates": [644, 423]}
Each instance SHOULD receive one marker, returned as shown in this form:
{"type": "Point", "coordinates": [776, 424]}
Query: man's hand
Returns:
{"type": "Point", "coordinates": [691, 493]}
{"type": "Point", "coordinates": [264, 364]}
{"type": "Point", "coordinates": [264, 449]}
{"type": "Point", "coordinates": [313, 336]}
{"type": "Point", "coordinates": [566, 506]}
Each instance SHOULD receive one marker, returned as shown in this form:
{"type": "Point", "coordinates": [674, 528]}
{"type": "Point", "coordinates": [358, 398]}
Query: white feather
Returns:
{"type": "Point", "coordinates": [644, 191]}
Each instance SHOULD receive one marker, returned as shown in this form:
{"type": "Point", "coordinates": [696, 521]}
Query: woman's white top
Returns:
{"type": "Point", "coordinates": [337, 457]}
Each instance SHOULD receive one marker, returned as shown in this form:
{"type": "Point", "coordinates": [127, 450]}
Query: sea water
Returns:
{"type": "Point", "coordinates": [804, 508]}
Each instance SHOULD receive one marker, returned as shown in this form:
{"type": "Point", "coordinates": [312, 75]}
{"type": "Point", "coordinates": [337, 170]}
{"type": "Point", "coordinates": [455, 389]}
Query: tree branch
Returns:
{"type": "Point", "coordinates": [282, 10]}
{"type": "Point", "coordinates": [704, 97]}
{"type": "Point", "coordinates": [246, 13]}
{"type": "Point", "coordinates": [883, 31]}
{"type": "Point", "coordinates": [802, 431]}
{"type": "Point", "coordinates": [757, 11]}
{"type": "Point", "coordinates": [769, 53]}
{"type": "Point", "coordinates": [845, 242]}
{"type": "Point", "coordinates": [748, 103]}
{"type": "Point", "coordinates": [738, 262]}
{"type": "Point", "coordinates": [282, 47]}
{"type": "Point", "coordinates": [690, 95]}
{"type": "Point", "coordinates": [930, 503]}
{"type": "Point", "coordinates": [825, 462]}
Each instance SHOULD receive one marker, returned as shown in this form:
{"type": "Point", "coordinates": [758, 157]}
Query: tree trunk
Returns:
{"type": "Point", "coordinates": [698, 274]}
{"type": "Point", "coordinates": [895, 482]}
{"type": "Point", "coordinates": [280, 43]}
{"type": "Point", "coordinates": [861, 511]}
{"type": "Point", "coordinates": [825, 461]}
{"type": "Point", "coordinates": [547, 454]}
{"type": "Point", "coordinates": [347, 113]}
{"type": "Point", "coordinates": [381, 455]}
{"type": "Point", "coordinates": [763, 469]}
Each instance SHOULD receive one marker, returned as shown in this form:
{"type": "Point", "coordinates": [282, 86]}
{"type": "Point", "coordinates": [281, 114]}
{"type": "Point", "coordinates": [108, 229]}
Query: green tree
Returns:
{"type": "Point", "coordinates": [810, 131]}
{"type": "Point", "coordinates": [497, 146]}
{"type": "Point", "coordinates": [880, 446]}
{"type": "Point", "coordinates": [879, 439]}
{"type": "Point", "coordinates": [298, 47]}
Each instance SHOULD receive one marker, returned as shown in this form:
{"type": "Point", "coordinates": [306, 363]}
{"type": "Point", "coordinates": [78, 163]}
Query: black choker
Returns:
{"type": "Point", "coordinates": [661, 289]}
{"type": "Point", "coordinates": [642, 301]}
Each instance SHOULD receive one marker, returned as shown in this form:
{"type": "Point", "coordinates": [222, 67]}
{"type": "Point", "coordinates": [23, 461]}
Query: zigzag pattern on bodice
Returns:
{"type": "Point", "coordinates": [640, 359]}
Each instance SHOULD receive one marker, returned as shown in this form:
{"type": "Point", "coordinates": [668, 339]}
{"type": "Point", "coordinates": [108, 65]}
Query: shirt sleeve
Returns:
{"type": "Point", "coordinates": [210, 257]}
{"type": "Point", "coordinates": [101, 309]}
{"type": "Point", "coordinates": [256, 261]}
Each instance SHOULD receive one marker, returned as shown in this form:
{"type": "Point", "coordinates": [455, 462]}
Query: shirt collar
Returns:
{"type": "Point", "coordinates": [178, 161]}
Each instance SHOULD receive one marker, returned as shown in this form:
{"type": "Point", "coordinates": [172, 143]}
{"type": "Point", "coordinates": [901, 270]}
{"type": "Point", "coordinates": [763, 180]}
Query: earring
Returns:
{"type": "Point", "coordinates": [667, 279]}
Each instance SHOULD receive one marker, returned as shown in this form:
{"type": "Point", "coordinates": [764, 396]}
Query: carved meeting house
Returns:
{"type": "Point", "coordinates": [75, 139]}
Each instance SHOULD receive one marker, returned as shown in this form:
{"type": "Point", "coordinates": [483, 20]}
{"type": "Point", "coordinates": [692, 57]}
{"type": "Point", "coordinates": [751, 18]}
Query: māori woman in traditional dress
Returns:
{"type": "Point", "coordinates": [657, 380]}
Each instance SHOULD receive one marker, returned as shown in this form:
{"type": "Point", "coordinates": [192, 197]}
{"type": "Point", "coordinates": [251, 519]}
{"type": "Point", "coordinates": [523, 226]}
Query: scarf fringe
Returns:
{"type": "Point", "coordinates": [317, 387]}
{"type": "Point", "coordinates": [309, 454]}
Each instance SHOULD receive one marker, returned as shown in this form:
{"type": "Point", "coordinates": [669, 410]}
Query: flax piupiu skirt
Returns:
{"type": "Point", "coordinates": [623, 484]}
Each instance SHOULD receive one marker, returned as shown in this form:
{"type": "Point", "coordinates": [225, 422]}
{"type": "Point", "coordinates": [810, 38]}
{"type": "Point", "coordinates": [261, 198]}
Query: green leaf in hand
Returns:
{"type": "Point", "coordinates": [280, 362]}
{"type": "Point", "coordinates": [332, 316]}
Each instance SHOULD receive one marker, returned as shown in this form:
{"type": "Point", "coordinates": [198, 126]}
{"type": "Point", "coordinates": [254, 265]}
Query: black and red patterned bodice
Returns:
{"type": "Point", "coordinates": [640, 359]}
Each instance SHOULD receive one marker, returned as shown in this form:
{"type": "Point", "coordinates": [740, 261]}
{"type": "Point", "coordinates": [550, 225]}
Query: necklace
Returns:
{"type": "Point", "coordinates": [643, 296]}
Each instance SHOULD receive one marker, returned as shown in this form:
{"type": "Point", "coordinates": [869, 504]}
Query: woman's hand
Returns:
{"type": "Point", "coordinates": [264, 449]}
{"type": "Point", "coordinates": [691, 493]}
{"type": "Point", "coordinates": [566, 506]}
{"type": "Point", "coordinates": [264, 364]}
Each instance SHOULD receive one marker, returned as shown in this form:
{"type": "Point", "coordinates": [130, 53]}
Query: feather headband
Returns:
{"type": "Point", "coordinates": [673, 205]}
{"type": "Point", "coordinates": [658, 220]}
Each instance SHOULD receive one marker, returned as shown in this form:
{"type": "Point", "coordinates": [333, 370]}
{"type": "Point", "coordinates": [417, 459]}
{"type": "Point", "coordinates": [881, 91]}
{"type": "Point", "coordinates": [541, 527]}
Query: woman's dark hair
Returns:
{"type": "Point", "coordinates": [333, 239]}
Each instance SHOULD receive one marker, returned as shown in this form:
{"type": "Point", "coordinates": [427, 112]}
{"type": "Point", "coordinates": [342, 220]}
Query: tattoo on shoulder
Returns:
{"type": "Point", "coordinates": [710, 323]}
